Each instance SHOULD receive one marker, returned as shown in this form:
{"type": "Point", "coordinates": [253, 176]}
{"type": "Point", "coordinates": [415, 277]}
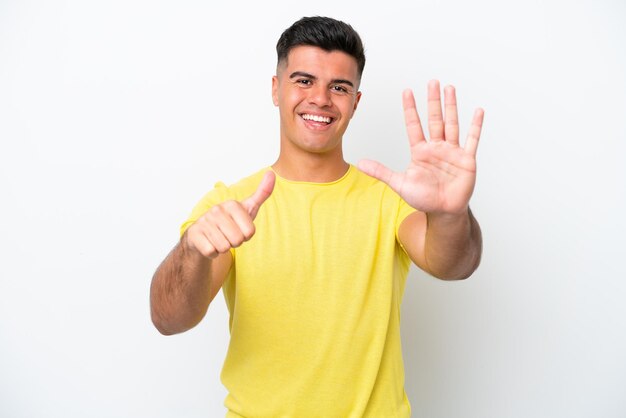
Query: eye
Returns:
{"type": "Point", "coordinates": [304, 81]}
{"type": "Point", "coordinates": [339, 89]}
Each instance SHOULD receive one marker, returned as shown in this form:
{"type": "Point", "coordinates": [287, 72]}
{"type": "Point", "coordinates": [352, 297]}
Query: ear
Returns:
{"type": "Point", "coordinates": [275, 90]}
{"type": "Point", "coordinates": [356, 102]}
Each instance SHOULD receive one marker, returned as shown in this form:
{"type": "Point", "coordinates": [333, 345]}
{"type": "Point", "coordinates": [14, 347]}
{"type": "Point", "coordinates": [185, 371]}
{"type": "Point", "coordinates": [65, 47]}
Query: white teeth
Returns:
{"type": "Point", "coordinates": [316, 118]}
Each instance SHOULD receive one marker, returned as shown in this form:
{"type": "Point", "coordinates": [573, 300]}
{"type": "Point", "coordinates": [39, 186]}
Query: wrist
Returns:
{"type": "Point", "coordinates": [190, 251]}
{"type": "Point", "coordinates": [449, 217]}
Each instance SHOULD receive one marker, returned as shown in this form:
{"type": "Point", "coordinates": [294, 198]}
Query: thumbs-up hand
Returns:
{"type": "Point", "coordinates": [229, 224]}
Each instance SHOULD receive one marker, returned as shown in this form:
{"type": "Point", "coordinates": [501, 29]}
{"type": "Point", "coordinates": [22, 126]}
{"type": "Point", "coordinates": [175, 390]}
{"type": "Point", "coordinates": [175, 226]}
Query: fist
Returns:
{"type": "Point", "coordinates": [229, 224]}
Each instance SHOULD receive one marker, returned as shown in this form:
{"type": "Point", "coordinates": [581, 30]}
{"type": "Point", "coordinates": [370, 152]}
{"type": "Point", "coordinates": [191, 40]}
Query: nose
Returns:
{"type": "Point", "coordinates": [319, 95]}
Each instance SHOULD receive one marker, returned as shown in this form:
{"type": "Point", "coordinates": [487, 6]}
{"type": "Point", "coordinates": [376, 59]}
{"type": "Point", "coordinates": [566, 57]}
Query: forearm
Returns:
{"type": "Point", "coordinates": [453, 245]}
{"type": "Point", "coordinates": [179, 294]}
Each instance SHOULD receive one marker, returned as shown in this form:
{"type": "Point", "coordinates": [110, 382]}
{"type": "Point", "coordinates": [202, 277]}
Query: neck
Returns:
{"type": "Point", "coordinates": [314, 168]}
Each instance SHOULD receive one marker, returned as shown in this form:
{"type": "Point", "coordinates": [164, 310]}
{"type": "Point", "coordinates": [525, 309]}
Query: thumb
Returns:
{"type": "Point", "coordinates": [380, 172]}
{"type": "Point", "coordinates": [254, 202]}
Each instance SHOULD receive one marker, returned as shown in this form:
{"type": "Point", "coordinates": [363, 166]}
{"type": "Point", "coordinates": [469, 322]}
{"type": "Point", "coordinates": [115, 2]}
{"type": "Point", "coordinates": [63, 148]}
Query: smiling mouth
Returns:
{"type": "Point", "coordinates": [316, 118]}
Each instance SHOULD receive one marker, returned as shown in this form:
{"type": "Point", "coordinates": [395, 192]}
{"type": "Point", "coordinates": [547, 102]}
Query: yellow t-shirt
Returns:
{"type": "Point", "coordinates": [314, 300]}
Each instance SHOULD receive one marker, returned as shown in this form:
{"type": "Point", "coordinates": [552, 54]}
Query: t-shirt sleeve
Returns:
{"type": "Point", "coordinates": [216, 196]}
{"type": "Point", "coordinates": [404, 210]}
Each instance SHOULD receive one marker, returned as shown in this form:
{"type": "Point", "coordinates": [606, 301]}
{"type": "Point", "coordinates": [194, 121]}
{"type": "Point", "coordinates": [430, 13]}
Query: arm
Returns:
{"type": "Point", "coordinates": [191, 275]}
{"type": "Point", "coordinates": [183, 287]}
{"type": "Point", "coordinates": [447, 247]}
{"type": "Point", "coordinates": [443, 237]}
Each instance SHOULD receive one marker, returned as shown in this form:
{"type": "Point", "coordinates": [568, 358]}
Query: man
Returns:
{"type": "Point", "coordinates": [312, 253]}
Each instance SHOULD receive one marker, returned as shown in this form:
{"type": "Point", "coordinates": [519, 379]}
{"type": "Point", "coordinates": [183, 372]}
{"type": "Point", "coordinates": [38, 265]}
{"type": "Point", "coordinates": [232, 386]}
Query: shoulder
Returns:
{"type": "Point", "coordinates": [235, 191]}
{"type": "Point", "coordinates": [244, 187]}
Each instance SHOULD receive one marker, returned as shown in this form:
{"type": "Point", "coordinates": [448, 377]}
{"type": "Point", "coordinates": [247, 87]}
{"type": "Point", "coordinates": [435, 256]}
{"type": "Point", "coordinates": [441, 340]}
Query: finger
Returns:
{"type": "Point", "coordinates": [471, 144]}
{"type": "Point", "coordinates": [435, 119]}
{"type": "Point", "coordinates": [198, 240]}
{"type": "Point", "coordinates": [221, 229]}
{"type": "Point", "coordinates": [205, 248]}
{"type": "Point", "coordinates": [382, 173]}
{"type": "Point", "coordinates": [411, 118]}
{"type": "Point", "coordinates": [232, 233]}
{"type": "Point", "coordinates": [217, 239]}
{"type": "Point", "coordinates": [214, 237]}
{"type": "Point", "coordinates": [451, 116]}
{"type": "Point", "coordinates": [254, 202]}
{"type": "Point", "coordinates": [242, 221]}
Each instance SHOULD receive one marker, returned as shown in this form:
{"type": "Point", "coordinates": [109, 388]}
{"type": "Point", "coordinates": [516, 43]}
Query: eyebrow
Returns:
{"type": "Point", "coordinates": [312, 77]}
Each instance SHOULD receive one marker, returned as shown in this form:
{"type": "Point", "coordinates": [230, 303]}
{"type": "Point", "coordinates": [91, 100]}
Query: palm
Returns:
{"type": "Point", "coordinates": [441, 175]}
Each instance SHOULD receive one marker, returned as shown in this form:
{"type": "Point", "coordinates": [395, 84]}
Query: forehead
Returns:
{"type": "Point", "coordinates": [320, 63]}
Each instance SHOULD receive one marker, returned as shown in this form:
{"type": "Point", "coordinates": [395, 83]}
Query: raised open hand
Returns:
{"type": "Point", "coordinates": [442, 174]}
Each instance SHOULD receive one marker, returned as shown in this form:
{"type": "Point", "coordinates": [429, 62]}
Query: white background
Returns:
{"type": "Point", "coordinates": [117, 116]}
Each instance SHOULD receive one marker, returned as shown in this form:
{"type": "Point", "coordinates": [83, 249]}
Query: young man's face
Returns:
{"type": "Point", "coordinates": [317, 93]}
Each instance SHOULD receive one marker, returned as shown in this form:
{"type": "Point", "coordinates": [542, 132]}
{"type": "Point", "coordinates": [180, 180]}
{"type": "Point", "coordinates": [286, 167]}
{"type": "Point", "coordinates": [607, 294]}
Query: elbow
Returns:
{"type": "Point", "coordinates": [472, 262]}
{"type": "Point", "coordinates": [461, 276]}
{"type": "Point", "coordinates": [165, 324]}
{"type": "Point", "coordinates": [466, 274]}
{"type": "Point", "coordinates": [167, 329]}
{"type": "Point", "coordinates": [160, 324]}
{"type": "Point", "coordinates": [453, 277]}
{"type": "Point", "coordinates": [450, 277]}
{"type": "Point", "coordinates": [470, 259]}
{"type": "Point", "coordinates": [164, 331]}
{"type": "Point", "coordinates": [462, 271]}
{"type": "Point", "coordinates": [164, 316]}
{"type": "Point", "coordinates": [157, 314]}
{"type": "Point", "coordinates": [173, 323]}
